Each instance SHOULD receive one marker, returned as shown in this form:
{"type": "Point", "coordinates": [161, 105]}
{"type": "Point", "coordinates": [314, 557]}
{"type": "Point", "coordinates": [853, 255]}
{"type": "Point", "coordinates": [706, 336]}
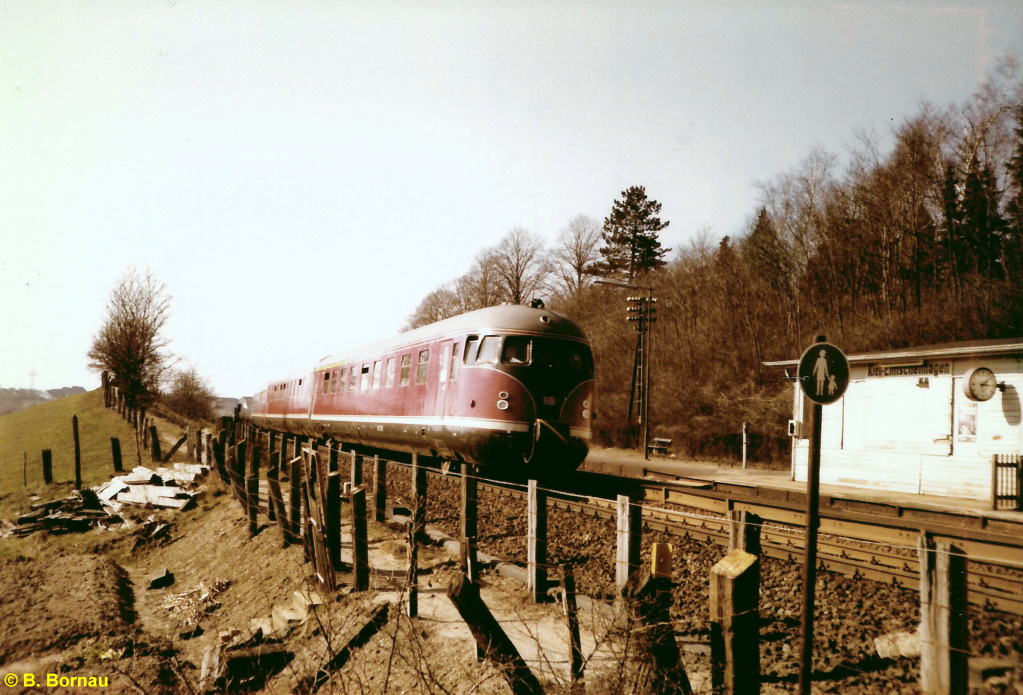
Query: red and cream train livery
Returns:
{"type": "Point", "coordinates": [503, 386]}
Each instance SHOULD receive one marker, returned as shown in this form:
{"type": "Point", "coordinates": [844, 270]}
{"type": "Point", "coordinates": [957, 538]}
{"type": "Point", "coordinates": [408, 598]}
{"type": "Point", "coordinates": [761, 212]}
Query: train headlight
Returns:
{"type": "Point", "coordinates": [503, 395]}
{"type": "Point", "coordinates": [502, 404]}
{"type": "Point", "coordinates": [586, 404]}
{"type": "Point", "coordinates": [586, 414]}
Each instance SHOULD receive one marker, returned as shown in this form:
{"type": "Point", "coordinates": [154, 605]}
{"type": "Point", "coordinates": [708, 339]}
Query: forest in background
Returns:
{"type": "Point", "coordinates": [912, 237]}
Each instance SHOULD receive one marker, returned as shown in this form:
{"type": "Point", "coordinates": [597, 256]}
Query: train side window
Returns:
{"type": "Point", "coordinates": [406, 369]}
{"type": "Point", "coordinates": [490, 350]}
{"type": "Point", "coordinates": [423, 369]}
{"type": "Point", "coordinates": [377, 367]}
{"type": "Point", "coordinates": [351, 378]}
{"type": "Point", "coordinates": [341, 381]}
{"type": "Point", "coordinates": [333, 381]}
{"type": "Point", "coordinates": [445, 358]}
{"type": "Point", "coordinates": [365, 377]}
{"type": "Point", "coordinates": [472, 344]}
{"type": "Point", "coordinates": [326, 380]}
{"type": "Point", "coordinates": [516, 350]}
{"type": "Point", "coordinates": [454, 361]}
{"type": "Point", "coordinates": [389, 382]}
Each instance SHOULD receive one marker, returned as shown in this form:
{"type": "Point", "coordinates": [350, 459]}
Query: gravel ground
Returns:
{"type": "Point", "coordinates": [849, 613]}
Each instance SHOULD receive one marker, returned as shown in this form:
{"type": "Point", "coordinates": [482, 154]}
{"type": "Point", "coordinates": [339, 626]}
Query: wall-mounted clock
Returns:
{"type": "Point", "coordinates": [979, 384]}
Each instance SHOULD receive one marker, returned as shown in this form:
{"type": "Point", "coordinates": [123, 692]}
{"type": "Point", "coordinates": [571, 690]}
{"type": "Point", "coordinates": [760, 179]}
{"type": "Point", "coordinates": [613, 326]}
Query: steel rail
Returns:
{"type": "Point", "coordinates": [859, 539]}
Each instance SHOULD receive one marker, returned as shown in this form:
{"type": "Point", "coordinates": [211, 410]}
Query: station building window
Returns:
{"type": "Point", "coordinates": [423, 368]}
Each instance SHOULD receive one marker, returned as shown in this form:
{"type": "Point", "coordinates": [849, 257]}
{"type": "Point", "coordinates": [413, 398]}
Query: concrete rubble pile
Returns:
{"type": "Point", "coordinates": [101, 506]}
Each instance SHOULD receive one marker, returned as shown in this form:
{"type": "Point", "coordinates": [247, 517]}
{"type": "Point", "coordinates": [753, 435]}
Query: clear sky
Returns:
{"type": "Point", "coordinates": [301, 174]}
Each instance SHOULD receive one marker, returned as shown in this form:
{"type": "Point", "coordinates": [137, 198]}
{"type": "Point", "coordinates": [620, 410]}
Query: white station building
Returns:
{"type": "Point", "coordinates": [925, 420]}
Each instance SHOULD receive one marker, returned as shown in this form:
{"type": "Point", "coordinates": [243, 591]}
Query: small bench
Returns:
{"type": "Point", "coordinates": [659, 446]}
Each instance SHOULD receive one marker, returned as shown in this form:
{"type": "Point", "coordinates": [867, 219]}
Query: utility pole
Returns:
{"type": "Point", "coordinates": [642, 311]}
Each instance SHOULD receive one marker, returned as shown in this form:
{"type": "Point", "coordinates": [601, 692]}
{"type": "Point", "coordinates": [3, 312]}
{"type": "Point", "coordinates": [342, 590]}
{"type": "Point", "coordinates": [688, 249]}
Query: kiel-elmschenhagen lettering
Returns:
{"type": "Point", "coordinates": [925, 369]}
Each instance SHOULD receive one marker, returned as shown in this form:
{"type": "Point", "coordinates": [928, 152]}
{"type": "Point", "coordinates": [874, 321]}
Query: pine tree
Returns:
{"type": "Point", "coordinates": [631, 245]}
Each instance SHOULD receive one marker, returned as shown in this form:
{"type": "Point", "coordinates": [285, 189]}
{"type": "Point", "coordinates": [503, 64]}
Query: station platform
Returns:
{"type": "Point", "coordinates": [632, 464]}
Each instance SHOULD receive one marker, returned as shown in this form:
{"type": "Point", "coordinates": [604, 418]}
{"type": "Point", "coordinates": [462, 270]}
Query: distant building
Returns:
{"type": "Point", "coordinates": [913, 420]}
{"type": "Point", "coordinates": [224, 407]}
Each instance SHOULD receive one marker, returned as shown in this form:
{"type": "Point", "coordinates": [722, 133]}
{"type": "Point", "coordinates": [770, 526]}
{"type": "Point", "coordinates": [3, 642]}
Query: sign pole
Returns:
{"type": "Point", "coordinates": [823, 376]}
{"type": "Point", "coordinates": [810, 558]}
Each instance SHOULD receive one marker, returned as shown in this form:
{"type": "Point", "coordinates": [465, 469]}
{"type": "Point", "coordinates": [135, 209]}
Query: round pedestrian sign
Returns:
{"type": "Point", "coordinates": [823, 373]}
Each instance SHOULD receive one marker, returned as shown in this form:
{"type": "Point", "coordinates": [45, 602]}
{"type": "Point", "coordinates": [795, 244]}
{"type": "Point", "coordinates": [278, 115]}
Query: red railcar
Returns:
{"type": "Point", "coordinates": [505, 386]}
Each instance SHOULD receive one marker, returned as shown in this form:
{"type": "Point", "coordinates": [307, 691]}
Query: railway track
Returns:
{"type": "Point", "coordinates": [859, 539]}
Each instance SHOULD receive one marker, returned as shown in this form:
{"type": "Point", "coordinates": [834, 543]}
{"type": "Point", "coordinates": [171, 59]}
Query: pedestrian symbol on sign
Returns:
{"type": "Point", "coordinates": [823, 373]}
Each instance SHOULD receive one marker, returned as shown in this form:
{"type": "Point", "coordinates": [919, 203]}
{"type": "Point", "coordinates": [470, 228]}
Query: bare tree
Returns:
{"type": "Point", "coordinates": [522, 265]}
{"type": "Point", "coordinates": [444, 302]}
{"type": "Point", "coordinates": [577, 253]}
{"type": "Point", "coordinates": [190, 395]}
{"type": "Point", "coordinates": [130, 344]}
{"type": "Point", "coordinates": [481, 286]}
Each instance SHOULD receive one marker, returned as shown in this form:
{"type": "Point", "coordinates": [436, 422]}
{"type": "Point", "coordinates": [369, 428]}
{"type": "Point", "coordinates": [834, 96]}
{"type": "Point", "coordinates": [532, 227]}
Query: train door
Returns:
{"type": "Point", "coordinates": [443, 379]}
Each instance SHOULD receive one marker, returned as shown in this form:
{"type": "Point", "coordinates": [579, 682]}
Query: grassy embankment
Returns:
{"type": "Point", "coordinates": [48, 426]}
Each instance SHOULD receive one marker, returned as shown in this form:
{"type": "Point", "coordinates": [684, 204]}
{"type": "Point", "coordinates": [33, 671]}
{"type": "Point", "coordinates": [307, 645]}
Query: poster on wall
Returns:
{"type": "Point", "coordinates": [968, 421]}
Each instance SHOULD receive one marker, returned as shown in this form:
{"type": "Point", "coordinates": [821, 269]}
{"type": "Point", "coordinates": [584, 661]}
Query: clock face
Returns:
{"type": "Point", "coordinates": [980, 384]}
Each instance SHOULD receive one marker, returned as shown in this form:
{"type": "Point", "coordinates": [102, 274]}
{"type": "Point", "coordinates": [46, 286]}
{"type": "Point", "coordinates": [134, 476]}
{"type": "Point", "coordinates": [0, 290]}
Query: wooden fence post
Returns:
{"type": "Point", "coordinates": [944, 656]}
{"type": "Point", "coordinates": [411, 579]}
{"type": "Point", "coordinates": [335, 454]}
{"type": "Point", "coordinates": [78, 453]}
{"type": "Point", "coordinates": [744, 531]}
{"type": "Point", "coordinates": [356, 470]}
{"type": "Point", "coordinates": [490, 638]}
{"type": "Point", "coordinates": [360, 544]}
{"type": "Point", "coordinates": [47, 466]}
{"type": "Point", "coordinates": [295, 496]}
{"type": "Point", "coordinates": [379, 489]}
{"type": "Point", "coordinates": [648, 599]}
{"type": "Point", "coordinates": [252, 490]}
{"type": "Point", "coordinates": [630, 524]}
{"type": "Point", "coordinates": [332, 522]}
{"type": "Point", "coordinates": [734, 627]}
{"type": "Point", "coordinates": [418, 495]}
{"type": "Point", "coordinates": [536, 539]}
{"type": "Point", "coordinates": [469, 523]}
{"type": "Point", "coordinates": [572, 617]}
{"type": "Point", "coordinates": [115, 451]}
{"type": "Point", "coordinates": [276, 502]}
{"type": "Point", "coordinates": [155, 441]}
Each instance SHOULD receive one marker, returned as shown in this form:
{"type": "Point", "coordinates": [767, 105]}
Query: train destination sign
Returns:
{"type": "Point", "coordinates": [823, 373]}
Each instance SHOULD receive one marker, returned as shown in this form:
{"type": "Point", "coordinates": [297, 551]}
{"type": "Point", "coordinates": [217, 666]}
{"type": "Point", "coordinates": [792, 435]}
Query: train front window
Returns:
{"type": "Point", "coordinates": [516, 350]}
{"type": "Point", "coordinates": [560, 354]}
{"type": "Point", "coordinates": [471, 346]}
{"type": "Point", "coordinates": [490, 350]}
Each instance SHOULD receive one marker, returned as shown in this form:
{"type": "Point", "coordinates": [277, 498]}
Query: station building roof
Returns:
{"type": "Point", "coordinates": [973, 348]}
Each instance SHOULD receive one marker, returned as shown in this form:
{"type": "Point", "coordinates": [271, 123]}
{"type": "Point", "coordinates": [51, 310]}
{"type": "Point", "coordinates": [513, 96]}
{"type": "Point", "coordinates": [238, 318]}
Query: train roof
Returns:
{"type": "Point", "coordinates": [507, 317]}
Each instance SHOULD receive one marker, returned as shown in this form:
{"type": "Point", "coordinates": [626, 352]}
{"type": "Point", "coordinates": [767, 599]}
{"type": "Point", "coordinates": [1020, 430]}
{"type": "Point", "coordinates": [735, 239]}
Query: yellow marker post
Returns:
{"type": "Point", "coordinates": [660, 560]}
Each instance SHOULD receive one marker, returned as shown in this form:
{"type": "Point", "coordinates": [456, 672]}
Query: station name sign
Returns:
{"type": "Point", "coordinates": [925, 369]}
